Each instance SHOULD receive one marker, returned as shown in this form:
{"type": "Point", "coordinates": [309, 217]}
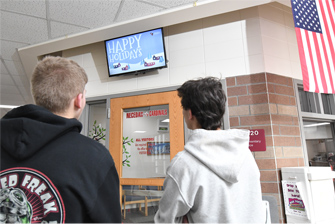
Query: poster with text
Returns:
{"type": "Point", "coordinates": [294, 199]}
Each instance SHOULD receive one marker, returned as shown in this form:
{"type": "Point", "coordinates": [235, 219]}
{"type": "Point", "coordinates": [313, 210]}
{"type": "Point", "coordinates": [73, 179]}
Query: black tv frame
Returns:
{"type": "Point", "coordinates": [142, 71]}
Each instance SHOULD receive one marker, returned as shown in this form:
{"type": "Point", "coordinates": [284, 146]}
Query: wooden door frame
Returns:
{"type": "Point", "coordinates": [117, 106]}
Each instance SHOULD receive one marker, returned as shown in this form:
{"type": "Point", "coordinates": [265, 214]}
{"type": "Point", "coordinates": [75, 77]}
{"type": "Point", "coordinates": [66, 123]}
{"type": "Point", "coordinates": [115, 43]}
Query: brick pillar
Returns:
{"type": "Point", "coordinates": [267, 101]}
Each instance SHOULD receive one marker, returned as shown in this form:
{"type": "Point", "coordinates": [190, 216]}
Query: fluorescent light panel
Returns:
{"type": "Point", "coordinates": [8, 106]}
{"type": "Point", "coordinates": [316, 124]}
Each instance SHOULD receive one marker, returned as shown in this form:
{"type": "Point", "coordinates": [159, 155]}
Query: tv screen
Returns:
{"type": "Point", "coordinates": [136, 53]}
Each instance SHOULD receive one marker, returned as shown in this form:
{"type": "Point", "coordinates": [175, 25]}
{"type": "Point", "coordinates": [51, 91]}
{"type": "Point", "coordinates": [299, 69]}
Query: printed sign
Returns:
{"type": "Point", "coordinates": [257, 140]}
{"type": "Point", "coordinates": [151, 113]}
{"type": "Point", "coordinates": [141, 145]}
{"type": "Point", "coordinates": [155, 148]}
{"type": "Point", "coordinates": [28, 196]}
{"type": "Point", "coordinates": [293, 199]}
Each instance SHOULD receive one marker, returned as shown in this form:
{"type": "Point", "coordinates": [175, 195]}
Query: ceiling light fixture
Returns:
{"type": "Point", "coordinates": [8, 106]}
{"type": "Point", "coordinates": [316, 124]}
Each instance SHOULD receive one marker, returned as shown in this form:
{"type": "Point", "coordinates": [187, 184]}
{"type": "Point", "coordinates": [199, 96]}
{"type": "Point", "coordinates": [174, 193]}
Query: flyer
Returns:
{"type": "Point", "coordinates": [294, 199]}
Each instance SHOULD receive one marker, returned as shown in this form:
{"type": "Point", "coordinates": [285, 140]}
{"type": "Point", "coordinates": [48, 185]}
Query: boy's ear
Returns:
{"type": "Point", "coordinates": [78, 101]}
{"type": "Point", "coordinates": [190, 115]}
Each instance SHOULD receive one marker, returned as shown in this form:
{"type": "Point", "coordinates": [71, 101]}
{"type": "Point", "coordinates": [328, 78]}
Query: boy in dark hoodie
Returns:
{"type": "Point", "coordinates": [49, 171]}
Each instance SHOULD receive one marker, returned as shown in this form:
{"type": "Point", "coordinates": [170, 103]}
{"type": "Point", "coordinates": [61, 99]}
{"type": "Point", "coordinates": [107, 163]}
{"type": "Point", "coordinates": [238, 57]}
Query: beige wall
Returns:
{"type": "Point", "coordinates": [258, 39]}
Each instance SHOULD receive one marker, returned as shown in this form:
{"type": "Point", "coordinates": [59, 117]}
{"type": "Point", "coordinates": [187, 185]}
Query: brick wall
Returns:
{"type": "Point", "coordinates": [267, 101]}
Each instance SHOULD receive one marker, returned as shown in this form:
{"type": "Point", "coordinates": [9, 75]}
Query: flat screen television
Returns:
{"type": "Point", "coordinates": [136, 53]}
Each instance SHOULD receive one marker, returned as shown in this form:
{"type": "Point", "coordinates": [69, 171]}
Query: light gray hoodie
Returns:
{"type": "Point", "coordinates": [214, 180]}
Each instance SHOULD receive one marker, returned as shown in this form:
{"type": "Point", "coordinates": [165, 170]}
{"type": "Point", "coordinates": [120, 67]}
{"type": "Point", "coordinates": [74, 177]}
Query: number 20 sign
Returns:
{"type": "Point", "coordinates": [257, 140]}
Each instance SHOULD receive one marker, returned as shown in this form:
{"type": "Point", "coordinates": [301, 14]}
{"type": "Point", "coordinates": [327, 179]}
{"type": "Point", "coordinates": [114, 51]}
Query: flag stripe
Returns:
{"type": "Point", "coordinates": [303, 62]}
{"type": "Point", "coordinates": [319, 63]}
{"type": "Point", "coordinates": [310, 62]}
{"type": "Point", "coordinates": [314, 59]}
{"type": "Point", "coordinates": [327, 53]}
{"type": "Point", "coordinates": [329, 28]}
{"type": "Point", "coordinates": [331, 11]}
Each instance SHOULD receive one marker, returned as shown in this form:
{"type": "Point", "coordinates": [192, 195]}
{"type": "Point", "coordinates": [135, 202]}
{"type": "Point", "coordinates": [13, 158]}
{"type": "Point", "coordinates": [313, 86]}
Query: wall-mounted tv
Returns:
{"type": "Point", "coordinates": [136, 53]}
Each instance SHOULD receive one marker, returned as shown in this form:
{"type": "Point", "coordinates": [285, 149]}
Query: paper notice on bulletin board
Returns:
{"type": "Point", "coordinates": [294, 199]}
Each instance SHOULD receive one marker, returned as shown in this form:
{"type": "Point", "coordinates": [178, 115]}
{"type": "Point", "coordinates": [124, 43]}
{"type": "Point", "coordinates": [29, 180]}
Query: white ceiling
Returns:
{"type": "Point", "coordinates": [28, 22]}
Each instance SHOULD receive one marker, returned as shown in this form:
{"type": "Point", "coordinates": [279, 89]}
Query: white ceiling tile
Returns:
{"type": "Point", "coordinates": [28, 7]}
{"type": "Point", "coordinates": [14, 67]}
{"type": "Point", "coordinates": [24, 91]}
{"type": "Point", "coordinates": [92, 14]}
{"type": "Point", "coordinates": [12, 99]}
{"type": "Point", "coordinates": [10, 96]}
{"type": "Point", "coordinates": [6, 80]}
{"type": "Point", "coordinates": [132, 9]}
{"type": "Point", "coordinates": [25, 29]}
{"type": "Point", "coordinates": [3, 112]}
{"type": "Point", "coordinates": [8, 50]}
{"type": "Point", "coordinates": [9, 89]}
{"type": "Point", "coordinates": [170, 4]}
{"type": "Point", "coordinates": [21, 80]}
{"type": "Point", "coordinates": [62, 29]}
{"type": "Point", "coordinates": [28, 99]}
{"type": "Point", "coordinates": [3, 69]}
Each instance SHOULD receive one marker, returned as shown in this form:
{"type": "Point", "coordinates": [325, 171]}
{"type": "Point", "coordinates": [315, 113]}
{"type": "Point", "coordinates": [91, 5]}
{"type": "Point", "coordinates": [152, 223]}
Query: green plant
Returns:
{"type": "Point", "coordinates": [124, 151]}
{"type": "Point", "coordinates": [97, 133]}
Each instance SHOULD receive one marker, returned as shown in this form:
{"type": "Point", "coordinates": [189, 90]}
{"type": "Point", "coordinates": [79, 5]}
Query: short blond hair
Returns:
{"type": "Point", "coordinates": [56, 81]}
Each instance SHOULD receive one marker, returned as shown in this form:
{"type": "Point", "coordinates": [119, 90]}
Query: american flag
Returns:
{"type": "Point", "coordinates": [315, 31]}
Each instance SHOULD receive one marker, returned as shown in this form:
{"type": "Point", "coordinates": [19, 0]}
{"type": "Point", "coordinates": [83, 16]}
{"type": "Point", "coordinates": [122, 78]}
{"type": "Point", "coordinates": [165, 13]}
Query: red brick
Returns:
{"type": "Point", "coordinates": [271, 88]}
{"type": "Point", "coordinates": [266, 164]}
{"type": "Point", "coordinates": [234, 121]}
{"type": "Point", "coordinates": [284, 141]}
{"type": "Point", "coordinates": [281, 119]}
{"type": "Point", "coordinates": [232, 101]}
{"type": "Point", "coordinates": [248, 79]}
{"type": "Point", "coordinates": [279, 99]}
{"type": "Point", "coordinates": [285, 162]}
{"type": "Point", "coordinates": [255, 120]}
{"type": "Point", "coordinates": [230, 81]}
{"type": "Point", "coordinates": [253, 99]}
{"type": "Point", "coordinates": [272, 78]}
{"type": "Point", "coordinates": [301, 161]}
{"type": "Point", "coordinates": [275, 129]}
{"type": "Point", "coordinates": [297, 141]}
{"type": "Point", "coordinates": [268, 140]}
{"type": "Point", "coordinates": [269, 187]}
{"type": "Point", "coordinates": [295, 121]}
{"type": "Point", "coordinates": [285, 90]}
{"type": "Point", "coordinates": [237, 90]}
{"type": "Point", "coordinates": [293, 101]}
{"type": "Point", "coordinates": [268, 175]}
{"type": "Point", "coordinates": [257, 88]}
{"type": "Point", "coordinates": [290, 82]}
{"type": "Point", "coordinates": [289, 130]}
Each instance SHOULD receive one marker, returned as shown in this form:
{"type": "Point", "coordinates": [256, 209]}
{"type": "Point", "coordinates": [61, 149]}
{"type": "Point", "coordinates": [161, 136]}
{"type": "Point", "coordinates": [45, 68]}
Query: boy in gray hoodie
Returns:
{"type": "Point", "coordinates": [215, 178]}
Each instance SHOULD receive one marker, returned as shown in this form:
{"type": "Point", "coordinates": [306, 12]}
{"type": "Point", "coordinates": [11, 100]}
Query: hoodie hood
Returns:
{"type": "Point", "coordinates": [222, 151]}
{"type": "Point", "coordinates": [27, 129]}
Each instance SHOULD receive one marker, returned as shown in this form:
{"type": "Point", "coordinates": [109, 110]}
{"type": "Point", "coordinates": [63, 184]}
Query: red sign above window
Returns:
{"type": "Point", "coordinates": [151, 113]}
{"type": "Point", "coordinates": [257, 140]}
